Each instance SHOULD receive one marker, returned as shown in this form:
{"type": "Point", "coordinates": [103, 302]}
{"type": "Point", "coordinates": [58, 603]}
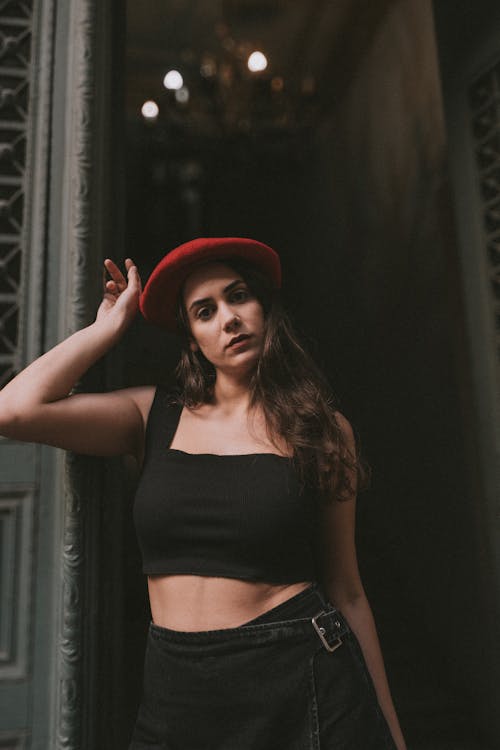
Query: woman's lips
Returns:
{"type": "Point", "coordinates": [240, 342]}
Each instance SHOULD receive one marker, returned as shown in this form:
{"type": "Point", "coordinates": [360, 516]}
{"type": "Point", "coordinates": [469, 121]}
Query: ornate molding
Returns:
{"type": "Point", "coordinates": [14, 741]}
{"type": "Point", "coordinates": [78, 237]}
{"type": "Point", "coordinates": [16, 532]}
{"type": "Point", "coordinates": [16, 20]}
{"type": "Point", "coordinates": [26, 42]}
{"type": "Point", "coordinates": [484, 102]}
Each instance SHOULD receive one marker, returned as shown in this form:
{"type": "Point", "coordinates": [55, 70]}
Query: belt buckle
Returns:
{"type": "Point", "coordinates": [321, 632]}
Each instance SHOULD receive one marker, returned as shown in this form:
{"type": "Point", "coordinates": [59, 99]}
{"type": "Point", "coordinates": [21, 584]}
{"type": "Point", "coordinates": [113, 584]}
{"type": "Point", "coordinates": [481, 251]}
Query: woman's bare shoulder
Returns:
{"type": "Point", "coordinates": [143, 396]}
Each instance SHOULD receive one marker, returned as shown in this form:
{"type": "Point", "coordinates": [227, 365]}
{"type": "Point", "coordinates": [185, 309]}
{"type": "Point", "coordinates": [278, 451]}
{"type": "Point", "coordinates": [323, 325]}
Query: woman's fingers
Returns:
{"type": "Point", "coordinates": [121, 295]}
{"type": "Point", "coordinates": [133, 273]}
{"type": "Point", "coordinates": [118, 282]}
{"type": "Point", "coordinates": [115, 273]}
{"type": "Point", "coordinates": [118, 285]}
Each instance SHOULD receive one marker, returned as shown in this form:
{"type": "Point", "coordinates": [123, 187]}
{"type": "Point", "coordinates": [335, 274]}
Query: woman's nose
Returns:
{"type": "Point", "coordinates": [231, 321]}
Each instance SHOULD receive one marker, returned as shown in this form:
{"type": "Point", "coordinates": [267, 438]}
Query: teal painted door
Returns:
{"type": "Point", "coordinates": [58, 210]}
{"type": "Point", "coordinates": [29, 588]}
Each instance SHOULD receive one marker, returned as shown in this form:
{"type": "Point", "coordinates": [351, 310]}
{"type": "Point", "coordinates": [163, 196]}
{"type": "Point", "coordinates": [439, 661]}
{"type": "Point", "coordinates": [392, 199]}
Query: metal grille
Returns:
{"type": "Point", "coordinates": [484, 100]}
{"type": "Point", "coordinates": [15, 53]}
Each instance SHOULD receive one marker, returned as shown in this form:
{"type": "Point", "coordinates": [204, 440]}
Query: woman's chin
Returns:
{"type": "Point", "coordinates": [240, 366]}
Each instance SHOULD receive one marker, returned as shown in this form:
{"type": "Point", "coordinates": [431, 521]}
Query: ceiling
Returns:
{"type": "Point", "coordinates": [312, 46]}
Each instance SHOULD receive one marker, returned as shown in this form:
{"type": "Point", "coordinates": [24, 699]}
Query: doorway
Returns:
{"type": "Point", "coordinates": [310, 126]}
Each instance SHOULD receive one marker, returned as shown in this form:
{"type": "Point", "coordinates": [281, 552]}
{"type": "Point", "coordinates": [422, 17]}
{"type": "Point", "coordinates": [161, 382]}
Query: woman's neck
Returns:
{"type": "Point", "coordinates": [230, 394]}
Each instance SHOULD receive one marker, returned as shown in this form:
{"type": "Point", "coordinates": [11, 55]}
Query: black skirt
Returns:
{"type": "Point", "coordinates": [293, 678]}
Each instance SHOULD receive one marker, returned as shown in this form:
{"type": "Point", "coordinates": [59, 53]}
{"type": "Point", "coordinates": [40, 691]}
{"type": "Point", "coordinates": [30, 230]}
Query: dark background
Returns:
{"type": "Point", "coordinates": [343, 172]}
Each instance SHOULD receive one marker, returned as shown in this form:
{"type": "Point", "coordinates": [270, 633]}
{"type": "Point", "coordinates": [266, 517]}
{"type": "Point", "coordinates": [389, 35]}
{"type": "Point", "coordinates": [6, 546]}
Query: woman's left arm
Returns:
{"type": "Point", "coordinates": [343, 586]}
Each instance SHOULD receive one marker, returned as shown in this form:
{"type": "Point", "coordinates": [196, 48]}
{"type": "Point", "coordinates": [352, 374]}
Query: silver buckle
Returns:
{"type": "Point", "coordinates": [321, 632]}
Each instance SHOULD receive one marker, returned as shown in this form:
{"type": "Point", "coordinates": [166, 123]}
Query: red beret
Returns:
{"type": "Point", "coordinates": [158, 301]}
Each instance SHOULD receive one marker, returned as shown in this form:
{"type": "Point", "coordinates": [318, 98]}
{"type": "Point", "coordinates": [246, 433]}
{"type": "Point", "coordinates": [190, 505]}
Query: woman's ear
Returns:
{"type": "Point", "coordinates": [193, 345]}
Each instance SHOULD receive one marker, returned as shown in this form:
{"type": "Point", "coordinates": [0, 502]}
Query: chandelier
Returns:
{"type": "Point", "coordinates": [231, 89]}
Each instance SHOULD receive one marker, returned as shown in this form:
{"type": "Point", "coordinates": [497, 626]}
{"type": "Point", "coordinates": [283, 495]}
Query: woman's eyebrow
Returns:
{"type": "Point", "coordinates": [226, 289]}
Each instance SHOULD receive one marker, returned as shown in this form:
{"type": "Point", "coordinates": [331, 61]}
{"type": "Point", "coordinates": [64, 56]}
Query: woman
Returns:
{"type": "Point", "coordinates": [261, 634]}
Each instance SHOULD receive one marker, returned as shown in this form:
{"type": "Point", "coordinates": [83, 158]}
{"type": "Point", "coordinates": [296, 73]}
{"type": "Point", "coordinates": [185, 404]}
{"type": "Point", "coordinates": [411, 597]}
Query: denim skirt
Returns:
{"type": "Point", "coordinates": [293, 678]}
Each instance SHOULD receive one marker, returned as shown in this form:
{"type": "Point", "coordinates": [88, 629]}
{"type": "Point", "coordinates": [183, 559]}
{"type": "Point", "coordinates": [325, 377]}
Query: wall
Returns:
{"type": "Point", "coordinates": [359, 209]}
{"type": "Point", "coordinates": [392, 258]}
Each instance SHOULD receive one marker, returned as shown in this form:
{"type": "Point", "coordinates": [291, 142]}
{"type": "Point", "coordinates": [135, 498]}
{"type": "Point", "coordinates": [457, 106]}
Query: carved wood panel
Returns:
{"type": "Point", "coordinates": [16, 547]}
{"type": "Point", "coordinates": [11, 741]}
{"type": "Point", "coordinates": [15, 71]}
{"type": "Point", "coordinates": [484, 101]}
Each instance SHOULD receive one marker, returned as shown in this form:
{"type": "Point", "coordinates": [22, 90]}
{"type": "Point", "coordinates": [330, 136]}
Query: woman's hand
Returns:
{"type": "Point", "coordinates": [121, 295]}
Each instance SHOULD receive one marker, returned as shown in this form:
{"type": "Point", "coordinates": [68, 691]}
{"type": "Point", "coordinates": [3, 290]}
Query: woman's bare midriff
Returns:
{"type": "Point", "coordinates": [194, 603]}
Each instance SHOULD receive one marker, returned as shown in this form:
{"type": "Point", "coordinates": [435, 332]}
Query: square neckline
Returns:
{"type": "Point", "coordinates": [169, 449]}
{"type": "Point", "coordinates": [229, 455]}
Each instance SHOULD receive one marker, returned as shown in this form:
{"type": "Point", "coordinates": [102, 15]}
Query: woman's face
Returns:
{"type": "Point", "coordinates": [220, 307]}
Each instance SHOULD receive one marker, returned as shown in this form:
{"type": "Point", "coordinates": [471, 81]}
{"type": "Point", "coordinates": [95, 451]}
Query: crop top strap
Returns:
{"type": "Point", "coordinates": [162, 421]}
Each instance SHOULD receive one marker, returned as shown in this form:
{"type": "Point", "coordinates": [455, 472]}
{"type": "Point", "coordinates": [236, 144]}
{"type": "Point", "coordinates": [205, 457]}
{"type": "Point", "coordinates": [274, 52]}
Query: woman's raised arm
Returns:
{"type": "Point", "coordinates": [37, 406]}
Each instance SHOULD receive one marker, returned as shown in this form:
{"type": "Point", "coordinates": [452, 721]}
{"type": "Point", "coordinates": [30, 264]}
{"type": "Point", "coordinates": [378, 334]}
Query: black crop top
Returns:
{"type": "Point", "coordinates": [237, 516]}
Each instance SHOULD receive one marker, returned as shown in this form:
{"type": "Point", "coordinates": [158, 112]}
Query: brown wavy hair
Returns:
{"type": "Point", "coordinates": [294, 394]}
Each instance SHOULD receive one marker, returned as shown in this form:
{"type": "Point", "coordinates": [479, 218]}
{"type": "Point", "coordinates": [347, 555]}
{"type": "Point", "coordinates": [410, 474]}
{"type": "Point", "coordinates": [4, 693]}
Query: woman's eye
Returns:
{"type": "Point", "coordinates": [201, 313]}
{"type": "Point", "coordinates": [240, 294]}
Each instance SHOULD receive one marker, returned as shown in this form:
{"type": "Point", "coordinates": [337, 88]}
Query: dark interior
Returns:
{"type": "Point", "coordinates": [335, 156]}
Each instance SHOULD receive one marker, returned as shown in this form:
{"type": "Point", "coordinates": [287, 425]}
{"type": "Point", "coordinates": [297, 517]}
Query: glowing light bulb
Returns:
{"type": "Point", "coordinates": [257, 61]}
{"type": "Point", "coordinates": [173, 80]}
{"type": "Point", "coordinates": [150, 110]}
{"type": "Point", "coordinates": [182, 95]}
